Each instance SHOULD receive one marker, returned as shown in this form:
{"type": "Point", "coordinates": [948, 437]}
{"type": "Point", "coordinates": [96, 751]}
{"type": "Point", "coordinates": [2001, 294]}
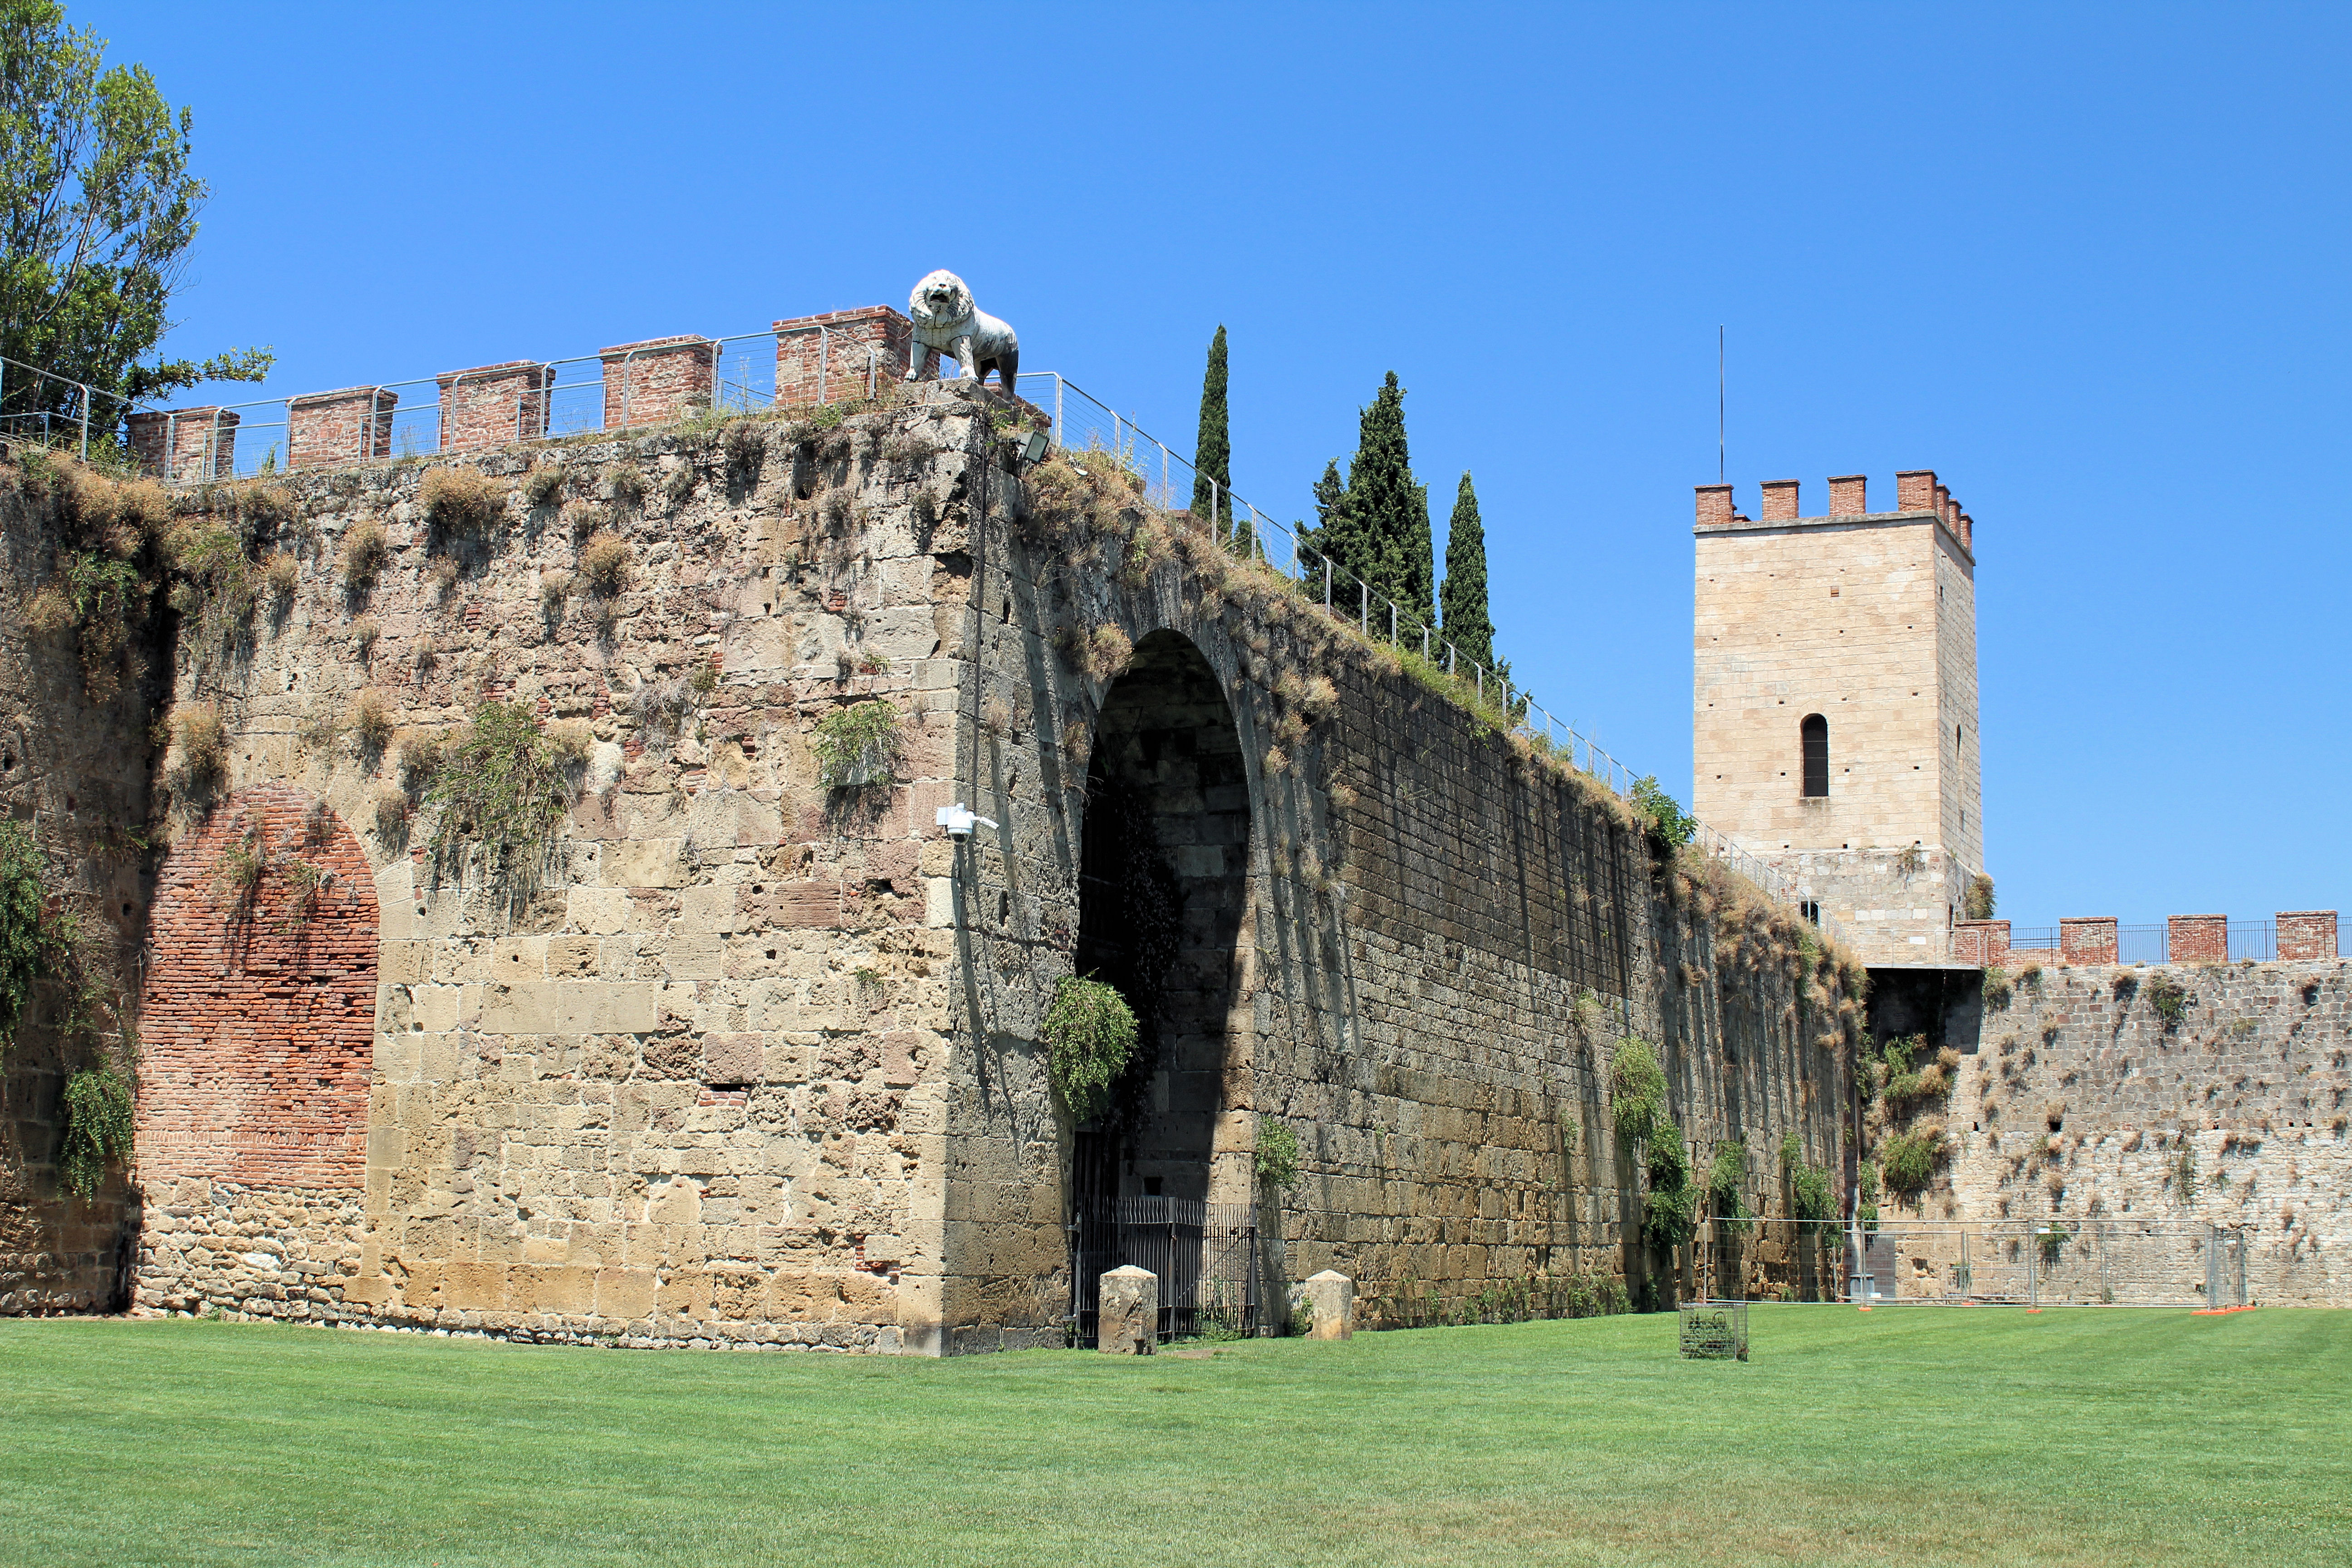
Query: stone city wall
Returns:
{"type": "Point", "coordinates": [1444, 940]}
{"type": "Point", "coordinates": [2182, 1095]}
{"type": "Point", "coordinates": [744, 1059]}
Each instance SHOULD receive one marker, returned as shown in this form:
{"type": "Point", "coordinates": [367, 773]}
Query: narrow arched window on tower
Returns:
{"type": "Point", "coordinates": [1816, 732]}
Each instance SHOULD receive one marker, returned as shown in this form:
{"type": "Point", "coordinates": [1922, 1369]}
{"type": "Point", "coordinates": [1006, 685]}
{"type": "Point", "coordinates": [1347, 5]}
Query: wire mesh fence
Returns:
{"type": "Point", "coordinates": [2047, 1262]}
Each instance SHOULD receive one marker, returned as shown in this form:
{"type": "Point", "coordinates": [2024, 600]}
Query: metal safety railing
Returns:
{"type": "Point", "coordinates": [1083, 421]}
{"type": "Point", "coordinates": [576, 395]}
{"type": "Point", "coordinates": [71, 422]}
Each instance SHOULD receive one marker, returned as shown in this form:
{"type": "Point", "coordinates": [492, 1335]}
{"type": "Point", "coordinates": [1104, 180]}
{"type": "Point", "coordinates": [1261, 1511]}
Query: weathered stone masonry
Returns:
{"type": "Point", "coordinates": [755, 1061]}
{"type": "Point", "coordinates": [78, 773]}
{"type": "Point", "coordinates": [2079, 1096]}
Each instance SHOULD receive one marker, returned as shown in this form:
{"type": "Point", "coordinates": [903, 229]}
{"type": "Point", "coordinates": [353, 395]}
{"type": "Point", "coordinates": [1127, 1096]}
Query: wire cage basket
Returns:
{"type": "Point", "coordinates": [1714, 1331]}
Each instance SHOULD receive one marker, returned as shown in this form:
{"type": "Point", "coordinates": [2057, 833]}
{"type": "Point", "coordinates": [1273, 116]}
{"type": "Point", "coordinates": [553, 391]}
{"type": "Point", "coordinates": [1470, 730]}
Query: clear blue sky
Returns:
{"type": "Point", "coordinates": [2089, 264]}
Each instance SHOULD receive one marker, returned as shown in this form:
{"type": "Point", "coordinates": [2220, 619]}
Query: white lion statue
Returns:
{"type": "Point", "coordinates": [946, 319]}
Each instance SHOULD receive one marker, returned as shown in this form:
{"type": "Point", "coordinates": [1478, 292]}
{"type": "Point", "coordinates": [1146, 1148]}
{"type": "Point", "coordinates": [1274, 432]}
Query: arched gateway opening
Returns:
{"type": "Point", "coordinates": [1163, 895]}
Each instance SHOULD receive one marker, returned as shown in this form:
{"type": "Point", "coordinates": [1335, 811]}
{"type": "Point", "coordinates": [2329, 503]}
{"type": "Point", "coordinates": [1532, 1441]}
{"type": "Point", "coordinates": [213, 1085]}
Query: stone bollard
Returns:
{"type": "Point", "coordinates": [1332, 1297]}
{"type": "Point", "coordinates": [1128, 1321]}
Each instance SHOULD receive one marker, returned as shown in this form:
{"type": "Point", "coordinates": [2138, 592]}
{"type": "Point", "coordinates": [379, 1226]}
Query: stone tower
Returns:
{"type": "Point", "coordinates": [1833, 713]}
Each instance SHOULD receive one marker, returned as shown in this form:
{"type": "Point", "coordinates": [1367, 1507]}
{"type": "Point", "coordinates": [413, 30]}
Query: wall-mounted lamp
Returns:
{"type": "Point", "coordinates": [1035, 445]}
{"type": "Point", "coordinates": [958, 822]}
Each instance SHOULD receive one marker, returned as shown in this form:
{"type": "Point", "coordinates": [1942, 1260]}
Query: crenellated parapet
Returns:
{"type": "Point", "coordinates": [1917, 492]}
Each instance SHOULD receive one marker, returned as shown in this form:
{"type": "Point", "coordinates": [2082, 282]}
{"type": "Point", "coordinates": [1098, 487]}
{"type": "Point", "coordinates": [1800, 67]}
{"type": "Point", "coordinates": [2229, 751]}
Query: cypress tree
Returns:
{"type": "Point", "coordinates": [1333, 536]}
{"type": "Point", "coordinates": [1213, 450]}
{"type": "Point", "coordinates": [1468, 626]}
{"type": "Point", "coordinates": [1389, 512]}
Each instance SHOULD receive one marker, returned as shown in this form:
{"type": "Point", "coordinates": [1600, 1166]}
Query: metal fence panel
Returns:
{"type": "Point", "coordinates": [2048, 1262]}
{"type": "Point", "coordinates": [1205, 1256]}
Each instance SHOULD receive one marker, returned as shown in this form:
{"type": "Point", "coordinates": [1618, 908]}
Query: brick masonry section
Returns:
{"type": "Point", "coordinates": [185, 443]}
{"type": "Point", "coordinates": [2198, 939]}
{"type": "Point", "coordinates": [258, 1013]}
{"type": "Point", "coordinates": [1981, 942]}
{"type": "Point", "coordinates": [493, 404]}
{"type": "Point", "coordinates": [346, 426]}
{"type": "Point", "coordinates": [824, 358]}
{"type": "Point", "coordinates": [2087, 940]}
{"type": "Point", "coordinates": [655, 382]}
{"type": "Point", "coordinates": [2307, 935]}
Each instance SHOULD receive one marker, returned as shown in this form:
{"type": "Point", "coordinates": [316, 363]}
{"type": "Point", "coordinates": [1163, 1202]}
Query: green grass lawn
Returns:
{"type": "Point", "coordinates": [1916, 1435]}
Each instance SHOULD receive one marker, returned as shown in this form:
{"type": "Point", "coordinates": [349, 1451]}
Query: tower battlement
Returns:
{"type": "Point", "coordinates": [1916, 491]}
{"type": "Point", "coordinates": [1835, 699]}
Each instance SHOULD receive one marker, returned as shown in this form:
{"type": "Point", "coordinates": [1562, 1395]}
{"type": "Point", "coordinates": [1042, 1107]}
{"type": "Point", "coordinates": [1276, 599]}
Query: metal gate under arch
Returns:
{"type": "Point", "coordinates": [1205, 1254]}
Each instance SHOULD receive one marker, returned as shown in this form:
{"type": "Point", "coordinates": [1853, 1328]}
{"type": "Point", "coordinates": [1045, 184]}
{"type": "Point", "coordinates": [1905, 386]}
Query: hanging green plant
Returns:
{"type": "Point", "coordinates": [1089, 1036]}
{"type": "Point", "coordinates": [1637, 1092]}
{"type": "Point", "coordinates": [1670, 1215]}
{"type": "Point", "coordinates": [96, 1130]}
{"type": "Point", "coordinates": [1725, 1176]}
{"type": "Point", "coordinates": [24, 937]}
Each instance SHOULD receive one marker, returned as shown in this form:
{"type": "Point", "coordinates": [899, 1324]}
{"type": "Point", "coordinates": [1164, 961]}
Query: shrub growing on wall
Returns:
{"type": "Point", "coordinates": [1637, 1093]}
{"type": "Point", "coordinates": [501, 783]}
{"type": "Point", "coordinates": [1667, 825]}
{"type": "Point", "coordinates": [1670, 1209]}
{"type": "Point", "coordinates": [1812, 1199]}
{"type": "Point", "coordinates": [1908, 1159]}
{"type": "Point", "coordinates": [606, 565]}
{"type": "Point", "coordinates": [1089, 1035]}
{"type": "Point", "coordinates": [27, 939]}
{"type": "Point", "coordinates": [459, 500]}
{"type": "Point", "coordinates": [857, 745]}
{"type": "Point", "coordinates": [1726, 1175]}
{"type": "Point", "coordinates": [101, 598]}
{"type": "Point", "coordinates": [1278, 1154]}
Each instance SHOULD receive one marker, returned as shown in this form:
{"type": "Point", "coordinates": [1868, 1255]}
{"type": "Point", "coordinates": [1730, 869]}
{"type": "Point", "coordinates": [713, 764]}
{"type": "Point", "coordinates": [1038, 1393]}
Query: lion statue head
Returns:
{"type": "Point", "coordinates": [940, 301]}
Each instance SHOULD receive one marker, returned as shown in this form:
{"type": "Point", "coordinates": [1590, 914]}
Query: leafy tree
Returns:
{"type": "Point", "coordinates": [1464, 598]}
{"type": "Point", "coordinates": [97, 212]}
{"type": "Point", "coordinates": [1669, 826]}
{"type": "Point", "coordinates": [1212, 451]}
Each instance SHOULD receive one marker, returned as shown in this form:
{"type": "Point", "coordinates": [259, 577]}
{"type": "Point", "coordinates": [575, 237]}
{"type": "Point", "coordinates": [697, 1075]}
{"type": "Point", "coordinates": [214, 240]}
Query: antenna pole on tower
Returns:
{"type": "Point", "coordinates": [1718, 403]}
